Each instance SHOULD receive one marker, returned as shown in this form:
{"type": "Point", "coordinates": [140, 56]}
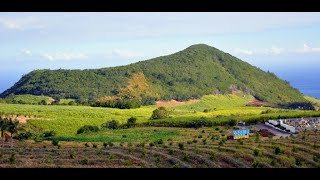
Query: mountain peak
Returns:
{"type": "Point", "coordinates": [191, 73]}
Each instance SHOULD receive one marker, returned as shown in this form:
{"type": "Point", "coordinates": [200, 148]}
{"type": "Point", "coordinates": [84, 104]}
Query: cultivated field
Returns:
{"type": "Point", "coordinates": [182, 148]}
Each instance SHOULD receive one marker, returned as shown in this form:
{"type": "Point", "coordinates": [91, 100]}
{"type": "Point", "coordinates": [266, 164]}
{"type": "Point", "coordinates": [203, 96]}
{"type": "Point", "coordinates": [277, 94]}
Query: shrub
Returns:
{"type": "Point", "coordinates": [124, 136]}
{"type": "Point", "coordinates": [110, 144]}
{"type": "Point", "coordinates": [105, 145]}
{"type": "Point", "coordinates": [232, 122]}
{"type": "Point", "coordinates": [206, 110]}
{"type": "Point", "coordinates": [273, 162]}
{"type": "Point", "coordinates": [85, 161]}
{"type": "Point", "coordinates": [256, 152]}
{"type": "Point", "coordinates": [195, 141]}
{"type": "Point", "coordinates": [55, 142]}
{"type": "Point", "coordinates": [181, 146]}
{"type": "Point", "coordinates": [203, 131]}
{"type": "Point", "coordinates": [131, 122]}
{"type": "Point", "coordinates": [202, 122]}
{"type": "Point", "coordinates": [186, 157]}
{"type": "Point", "coordinates": [204, 141]}
{"type": "Point", "coordinates": [72, 155]}
{"type": "Point", "coordinates": [94, 145]}
{"type": "Point", "coordinates": [113, 124]}
{"type": "Point", "coordinates": [217, 129]}
{"type": "Point", "coordinates": [72, 103]}
{"type": "Point", "coordinates": [212, 156]}
{"type": "Point", "coordinates": [151, 144]}
{"type": "Point", "coordinates": [277, 150]}
{"type": "Point", "coordinates": [87, 128]}
{"type": "Point", "coordinates": [159, 113]}
{"type": "Point", "coordinates": [170, 151]}
{"type": "Point", "coordinates": [298, 162]}
{"type": "Point", "coordinates": [160, 141]}
{"type": "Point", "coordinates": [200, 136]}
{"type": "Point", "coordinates": [86, 145]}
{"type": "Point", "coordinates": [1, 153]}
{"type": "Point", "coordinates": [24, 136]}
{"type": "Point", "coordinates": [49, 133]}
{"type": "Point", "coordinates": [12, 157]}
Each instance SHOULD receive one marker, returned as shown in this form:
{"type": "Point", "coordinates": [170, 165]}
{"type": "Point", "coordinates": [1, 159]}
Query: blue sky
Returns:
{"type": "Point", "coordinates": [278, 42]}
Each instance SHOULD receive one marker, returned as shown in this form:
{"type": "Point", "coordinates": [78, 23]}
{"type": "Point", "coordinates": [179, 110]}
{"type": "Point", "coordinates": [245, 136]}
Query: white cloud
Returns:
{"type": "Point", "coordinates": [275, 50]}
{"type": "Point", "coordinates": [242, 51]}
{"type": "Point", "coordinates": [26, 52]}
{"type": "Point", "coordinates": [307, 49]}
{"type": "Point", "coordinates": [66, 56]}
{"type": "Point", "coordinates": [125, 53]}
{"type": "Point", "coordinates": [21, 23]}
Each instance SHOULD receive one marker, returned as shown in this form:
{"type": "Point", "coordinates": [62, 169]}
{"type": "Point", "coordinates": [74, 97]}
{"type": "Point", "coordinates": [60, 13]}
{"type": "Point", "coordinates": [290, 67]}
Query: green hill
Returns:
{"type": "Point", "coordinates": [191, 73]}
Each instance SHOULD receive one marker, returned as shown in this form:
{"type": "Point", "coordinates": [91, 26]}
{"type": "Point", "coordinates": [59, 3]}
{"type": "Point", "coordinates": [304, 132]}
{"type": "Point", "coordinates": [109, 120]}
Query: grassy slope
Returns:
{"type": "Point", "coordinates": [313, 100]}
{"type": "Point", "coordinates": [217, 102]}
{"type": "Point", "coordinates": [30, 99]}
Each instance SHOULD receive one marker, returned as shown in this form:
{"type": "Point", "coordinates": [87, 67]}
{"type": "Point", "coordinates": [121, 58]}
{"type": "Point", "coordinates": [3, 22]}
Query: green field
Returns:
{"type": "Point", "coordinates": [66, 120]}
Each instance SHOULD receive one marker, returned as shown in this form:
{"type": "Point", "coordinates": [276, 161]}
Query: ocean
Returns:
{"type": "Point", "coordinates": [306, 80]}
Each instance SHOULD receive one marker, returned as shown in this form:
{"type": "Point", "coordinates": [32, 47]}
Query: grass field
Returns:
{"type": "Point", "coordinates": [66, 120]}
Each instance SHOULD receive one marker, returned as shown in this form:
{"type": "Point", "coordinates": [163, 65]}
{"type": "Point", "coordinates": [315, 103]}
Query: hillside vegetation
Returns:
{"type": "Point", "coordinates": [189, 74]}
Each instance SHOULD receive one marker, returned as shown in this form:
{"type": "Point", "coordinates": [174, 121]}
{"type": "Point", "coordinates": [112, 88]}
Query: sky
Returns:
{"type": "Point", "coordinates": [285, 43]}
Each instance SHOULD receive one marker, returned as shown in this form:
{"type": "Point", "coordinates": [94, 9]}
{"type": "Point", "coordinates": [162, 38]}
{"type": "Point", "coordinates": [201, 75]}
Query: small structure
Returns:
{"type": "Point", "coordinates": [241, 134]}
{"type": "Point", "coordinates": [241, 123]}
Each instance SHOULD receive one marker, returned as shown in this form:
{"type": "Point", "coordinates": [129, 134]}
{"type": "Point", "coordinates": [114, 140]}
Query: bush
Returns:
{"type": "Point", "coordinates": [151, 144]}
{"type": "Point", "coordinates": [298, 162]}
{"type": "Point", "coordinates": [105, 145]}
{"type": "Point", "coordinates": [159, 113]}
{"type": "Point", "coordinates": [49, 133]}
{"type": "Point", "coordinates": [186, 157]}
{"type": "Point", "coordinates": [206, 110]}
{"type": "Point", "coordinates": [232, 122]}
{"type": "Point", "coordinates": [55, 142]}
{"type": "Point", "coordinates": [181, 146]}
{"type": "Point", "coordinates": [113, 124]}
{"type": "Point", "coordinates": [202, 122]}
{"type": "Point", "coordinates": [24, 136]}
{"type": "Point", "coordinates": [131, 122]}
{"type": "Point", "coordinates": [277, 150]}
{"type": "Point", "coordinates": [87, 128]}
{"type": "Point", "coordinates": [94, 145]}
{"type": "Point", "coordinates": [86, 145]}
{"type": "Point", "coordinates": [85, 161]}
{"type": "Point", "coordinates": [12, 157]}
{"type": "Point", "coordinates": [110, 144]}
{"type": "Point", "coordinates": [160, 141]}
{"type": "Point", "coordinates": [72, 103]}
{"type": "Point", "coordinates": [256, 152]}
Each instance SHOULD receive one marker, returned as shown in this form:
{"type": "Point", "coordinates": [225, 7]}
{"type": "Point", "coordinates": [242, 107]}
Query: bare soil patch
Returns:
{"type": "Point", "coordinates": [256, 102]}
{"type": "Point", "coordinates": [21, 118]}
{"type": "Point", "coordinates": [173, 103]}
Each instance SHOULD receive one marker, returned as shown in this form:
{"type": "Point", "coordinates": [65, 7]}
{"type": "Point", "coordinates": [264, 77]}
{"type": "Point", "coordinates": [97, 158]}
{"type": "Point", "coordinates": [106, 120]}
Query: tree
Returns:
{"type": "Point", "coordinates": [159, 113]}
{"type": "Point", "coordinates": [3, 125]}
{"type": "Point", "coordinates": [13, 126]}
